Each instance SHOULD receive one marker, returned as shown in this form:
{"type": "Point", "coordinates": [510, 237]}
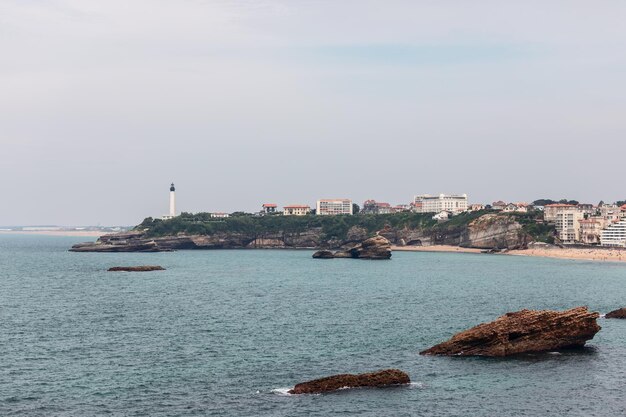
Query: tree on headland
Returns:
{"type": "Point", "coordinates": [355, 208]}
{"type": "Point", "coordinates": [547, 201]}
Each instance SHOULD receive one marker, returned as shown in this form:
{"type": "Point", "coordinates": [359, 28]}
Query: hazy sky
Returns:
{"type": "Point", "coordinates": [104, 103]}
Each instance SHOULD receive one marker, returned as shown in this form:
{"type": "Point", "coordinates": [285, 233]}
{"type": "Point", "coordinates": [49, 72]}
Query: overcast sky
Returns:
{"type": "Point", "coordinates": [241, 102]}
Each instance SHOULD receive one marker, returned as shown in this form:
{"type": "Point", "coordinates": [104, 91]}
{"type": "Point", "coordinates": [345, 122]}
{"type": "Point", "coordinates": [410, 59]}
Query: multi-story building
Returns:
{"type": "Point", "coordinates": [591, 230]}
{"type": "Point", "coordinates": [442, 202]}
{"type": "Point", "coordinates": [566, 218]}
{"type": "Point", "coordinates": [296, 210]}
{"type": "Point", "coordinates": [609, 212]}
{"type": "Point", "coordinates": [614, 235]}
{"type": "Point", "coordinates": [375, 207]}
{"type": "Point", "coordinates": [331, 207]}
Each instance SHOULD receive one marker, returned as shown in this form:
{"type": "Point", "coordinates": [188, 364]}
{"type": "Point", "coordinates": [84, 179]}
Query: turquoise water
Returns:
{"type": "Point", "coordinates": [222, 333]}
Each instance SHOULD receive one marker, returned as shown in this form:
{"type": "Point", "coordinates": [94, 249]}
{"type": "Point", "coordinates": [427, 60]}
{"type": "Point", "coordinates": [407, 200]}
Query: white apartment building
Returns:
{"type": "Point", "coordinates": [331, 207]}
{"type": "Point", "coordinates": [435, 204]}
{"type": "Point", "coordinates": [296, 210]}
{"type": "Point", "coordinates": [566, 218]}
{"type": "Point", "coordinates": [614, 235]}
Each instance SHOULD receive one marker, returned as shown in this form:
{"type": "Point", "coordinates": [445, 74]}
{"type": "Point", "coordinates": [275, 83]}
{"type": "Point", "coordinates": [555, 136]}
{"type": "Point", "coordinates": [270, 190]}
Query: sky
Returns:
{"type": "Point", "coordinates": [242, 102]}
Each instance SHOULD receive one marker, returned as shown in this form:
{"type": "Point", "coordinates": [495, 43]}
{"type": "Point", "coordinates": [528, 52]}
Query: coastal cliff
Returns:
{"type": "Point", "coordinates": [485, 230]}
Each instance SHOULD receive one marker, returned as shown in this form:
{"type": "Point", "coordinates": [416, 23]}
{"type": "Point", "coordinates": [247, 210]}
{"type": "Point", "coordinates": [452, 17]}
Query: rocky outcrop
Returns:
{"type": "Point", "coordinates": [143, 268]}
{"type": "Point", "coordinates": [620, 313]}
{"type": "Point", "coordinates": [523, 332]}
{"type": "Point", "coordinates": [494, 231]}
{"type": "Point", "coordinates": [323, 254]}
{"type": "Point", "coordinates": [376, 247]}
{"type": "Point", "coordinates": [379, 379]}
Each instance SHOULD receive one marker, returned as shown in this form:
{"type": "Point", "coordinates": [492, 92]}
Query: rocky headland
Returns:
{"type": "Point", "coordinates": [379, 379]}
{"type": "Point", "coordinates": [333, 233]}
{"type": "Point", "coordinates": [525, 331]}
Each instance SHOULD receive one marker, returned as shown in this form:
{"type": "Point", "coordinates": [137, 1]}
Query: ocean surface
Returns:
{"type": "Point", "coordinates": [226, 333]}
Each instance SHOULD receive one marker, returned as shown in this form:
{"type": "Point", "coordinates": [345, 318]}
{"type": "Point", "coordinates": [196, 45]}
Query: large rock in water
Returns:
{"type": "Point", "coordinates": [620, 313]}
{"type": "Point", "coordinates": [523, 332]}
{"type": "Point", "coordinates": [376, 247]}
{"type": "Point", "coordinates": [377, 379]}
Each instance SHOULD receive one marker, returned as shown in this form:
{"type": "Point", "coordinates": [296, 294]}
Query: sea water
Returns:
{"type": "Point", "coordinates": [228, 332]}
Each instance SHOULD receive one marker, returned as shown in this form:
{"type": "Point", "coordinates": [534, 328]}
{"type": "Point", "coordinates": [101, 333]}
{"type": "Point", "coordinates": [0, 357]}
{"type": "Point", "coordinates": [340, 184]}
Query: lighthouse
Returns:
{"type": "Point", "coordinates": [172, 201]}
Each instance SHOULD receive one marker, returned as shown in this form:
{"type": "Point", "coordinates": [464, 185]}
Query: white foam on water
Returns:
{"type": "Point", "coordinates": [418, 385]}
{"type": "Point", "coordinates": [554, 353]}
{"type": "Point", "coordinates": [281, 391]}
{"type": "Point", "coordinates": [602, 316]}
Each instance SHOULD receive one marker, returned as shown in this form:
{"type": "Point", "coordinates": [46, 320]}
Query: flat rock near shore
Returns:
{"type": "Point", "coordinates": [142, 268]}
{"type": "Point", "coordinates": [377, 379]}
{"type": "Point", "coordinates": [523, 331]}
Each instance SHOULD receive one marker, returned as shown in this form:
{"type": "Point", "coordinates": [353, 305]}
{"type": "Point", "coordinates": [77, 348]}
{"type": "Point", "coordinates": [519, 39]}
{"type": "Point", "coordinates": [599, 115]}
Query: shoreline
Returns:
{"type": "Point", "coordinates": [581, 254]}
{"type": "Point", "coordinates": [435, 248]}
{"type": "Point", "coordinates": [68, 233]}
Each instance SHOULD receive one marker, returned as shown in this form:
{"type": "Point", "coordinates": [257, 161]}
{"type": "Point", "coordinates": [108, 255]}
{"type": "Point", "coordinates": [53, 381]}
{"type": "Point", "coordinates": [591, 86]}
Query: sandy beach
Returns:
{"type": "Point", "coordinates": [435, 248]}
{"type": "Point", "coordinates": [589, 254]}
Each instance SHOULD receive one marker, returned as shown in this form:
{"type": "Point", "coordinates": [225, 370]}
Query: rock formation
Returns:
{"type": "Point", "coordinates": [376, 247]}
{"type": "Point", "coordinates": [620, 313]}
{"type": "Point", "coordinates": [377, 379]}
{"type": "Point", "coordinates": [523, 332]}
{"type": "Point", "coordinates": [494, 231]}
{"type": "Point", "coordinates": [324, 254]}
{"type": "Point", "coordinates": [143, 268]}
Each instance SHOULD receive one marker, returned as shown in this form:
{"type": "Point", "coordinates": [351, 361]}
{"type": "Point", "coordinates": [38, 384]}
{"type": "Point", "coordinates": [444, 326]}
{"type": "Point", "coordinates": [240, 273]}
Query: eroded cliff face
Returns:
{"type": "Point", "coordinates": [494, 231]}
{"type": "Point", "coordinates": [490, 231]}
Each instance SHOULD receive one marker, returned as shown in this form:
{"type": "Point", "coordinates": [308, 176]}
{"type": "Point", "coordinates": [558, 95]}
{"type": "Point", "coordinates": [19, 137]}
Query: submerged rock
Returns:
{"type": "Point", "coordinates": [323, 254]}
{"type": "Point", "coordinates": [377, 379]}
{"type": "Point", "coordinates": [620, 313]}
{"type": "Point", "coordinates": [523, 332]}
{"type": "Point", "coordinates": [142, 268]}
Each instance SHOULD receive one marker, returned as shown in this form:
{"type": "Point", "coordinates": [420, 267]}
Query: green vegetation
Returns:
{"type": "Point", "coordinates": [546, 201]}
{"type": "Point", "coordinates": [332, 227]}
{"type": "Point", "coordinates": [532, 223]}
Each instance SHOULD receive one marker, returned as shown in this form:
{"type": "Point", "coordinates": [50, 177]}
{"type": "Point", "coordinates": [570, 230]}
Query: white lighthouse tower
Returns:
{"type": "Point", "coordinates": [172, 201]}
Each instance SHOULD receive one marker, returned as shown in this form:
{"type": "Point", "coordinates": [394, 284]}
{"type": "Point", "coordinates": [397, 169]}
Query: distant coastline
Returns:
{"type": "Point", "coordinates": [70, 233]}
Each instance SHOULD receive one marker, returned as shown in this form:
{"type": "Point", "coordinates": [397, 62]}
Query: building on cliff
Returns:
{"type": "Point", "coordinates": [435, 204]}
{"type": "Point", "coordinates": [296, 210]}
{"type": "Point", "coordinates": [268, 208]}
{"type": "Point", "coordinates": [331, 207]}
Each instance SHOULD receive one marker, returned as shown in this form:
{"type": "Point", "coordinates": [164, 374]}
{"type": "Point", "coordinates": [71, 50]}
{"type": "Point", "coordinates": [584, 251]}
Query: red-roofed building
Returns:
{"type": "Point", "coordinates": [268, 208]}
